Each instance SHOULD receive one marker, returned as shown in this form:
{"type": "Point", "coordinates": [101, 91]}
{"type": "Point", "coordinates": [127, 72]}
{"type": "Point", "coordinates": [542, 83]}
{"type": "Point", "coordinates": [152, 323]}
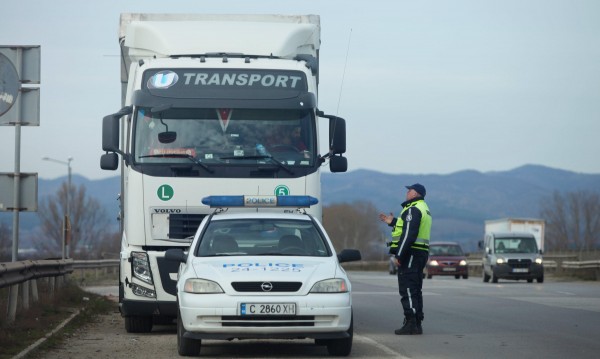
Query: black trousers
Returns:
{"type": "Point", "coordinates": [410, 283]}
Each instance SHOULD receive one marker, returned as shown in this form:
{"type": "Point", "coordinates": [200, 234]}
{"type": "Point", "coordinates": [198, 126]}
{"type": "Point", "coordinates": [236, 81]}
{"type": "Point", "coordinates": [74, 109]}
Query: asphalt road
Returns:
{"type": "Point", "coordinates": [463, 319]}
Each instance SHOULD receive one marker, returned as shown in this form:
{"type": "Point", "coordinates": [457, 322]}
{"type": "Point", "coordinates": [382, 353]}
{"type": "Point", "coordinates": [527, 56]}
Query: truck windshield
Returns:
{"type": "Point", "coordinates": [515, 245]}
{"type": "Point", "coordinates": [224, 137]}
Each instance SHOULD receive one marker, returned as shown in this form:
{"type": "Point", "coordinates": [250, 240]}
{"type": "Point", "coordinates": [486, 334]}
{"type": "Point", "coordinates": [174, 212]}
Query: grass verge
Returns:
{"type": "Point", "coordinates": [45, 315]}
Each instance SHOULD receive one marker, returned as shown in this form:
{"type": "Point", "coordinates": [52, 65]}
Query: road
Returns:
{"type": "Point", "coordinates": [463, 319]}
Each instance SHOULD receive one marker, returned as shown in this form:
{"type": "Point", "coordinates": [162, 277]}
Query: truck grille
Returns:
{"type": "Point", "coordinates": [258, 286]}
{"type": "Point", "coordinates": [182, 226]}
{"type": "Point", "coordinates": [519, 263]}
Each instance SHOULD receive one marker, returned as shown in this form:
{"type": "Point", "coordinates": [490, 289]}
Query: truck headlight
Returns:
{"type": "Point", "coordinates": [140, 266]}
{"type": "Point", "coordinates": [500, 261]}
{"type": "Point", "coordinates": [336, 285]}
{"type": "Point", "coordinates": [201, 286]}
{"type": "Point", "coordinates": [538, 261]}
{"type": "Point", "coordinates": [462, 262]}
{"type": "Point", "coordinates": [433, 263]}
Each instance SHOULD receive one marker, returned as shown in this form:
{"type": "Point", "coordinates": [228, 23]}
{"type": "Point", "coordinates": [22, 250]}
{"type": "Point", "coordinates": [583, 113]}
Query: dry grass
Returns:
{"type": "Point", "coordinates": [46, 314]}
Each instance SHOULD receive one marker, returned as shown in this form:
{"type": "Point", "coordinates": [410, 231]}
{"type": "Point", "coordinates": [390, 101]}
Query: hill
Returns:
{"type": "Point", "coordinates": [460, 201]}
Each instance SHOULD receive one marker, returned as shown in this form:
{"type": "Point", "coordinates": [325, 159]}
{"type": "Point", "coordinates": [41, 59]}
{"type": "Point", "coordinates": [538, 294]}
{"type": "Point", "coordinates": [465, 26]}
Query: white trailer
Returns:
{"type": "Point", "coordinates": [527, 225]}
{"type": "Point", "coordinates": [207, 101]}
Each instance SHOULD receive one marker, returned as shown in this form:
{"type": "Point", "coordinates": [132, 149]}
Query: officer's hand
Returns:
{"type": "Point", "coordinates": [386, 218]}
{"type": "Point", "coordinates": [397, 262]}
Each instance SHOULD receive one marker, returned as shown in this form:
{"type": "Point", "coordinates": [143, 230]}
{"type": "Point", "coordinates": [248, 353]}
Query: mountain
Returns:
{"type": "Point", "coordinates": [460, 202]}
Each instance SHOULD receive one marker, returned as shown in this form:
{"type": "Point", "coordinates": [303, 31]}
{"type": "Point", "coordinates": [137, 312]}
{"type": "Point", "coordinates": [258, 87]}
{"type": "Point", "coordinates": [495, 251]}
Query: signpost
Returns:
{"type": "Point", "coordinates": [19, 106]}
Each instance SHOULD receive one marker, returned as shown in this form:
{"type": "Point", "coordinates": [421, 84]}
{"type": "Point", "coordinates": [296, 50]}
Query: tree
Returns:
{"type": "Point", "coordinates": [572, 220]}
{"type": "Point", "coordinates": [90, 223]}
{"type": "Point", "coordinates": [357, 226]}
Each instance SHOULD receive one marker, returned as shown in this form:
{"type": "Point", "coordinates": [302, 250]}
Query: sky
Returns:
{"type": "Point", "coordinates": [426, 87]}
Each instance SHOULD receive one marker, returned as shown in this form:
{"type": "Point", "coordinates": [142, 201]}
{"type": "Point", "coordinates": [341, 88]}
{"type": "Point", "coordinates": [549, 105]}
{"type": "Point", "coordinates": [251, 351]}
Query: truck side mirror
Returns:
{"type": "Point", "coordinates": [109, 161]}
{"type": "Point", "coordinates": [110, 130]}
{"type": "Point", "coordinates": [338, 164]}
{"type": "Point", "coordinates": [337, 135]}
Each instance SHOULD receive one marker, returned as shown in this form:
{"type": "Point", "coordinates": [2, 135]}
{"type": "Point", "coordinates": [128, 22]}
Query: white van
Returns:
{"type": "Point", "coordinates": [511, 255]}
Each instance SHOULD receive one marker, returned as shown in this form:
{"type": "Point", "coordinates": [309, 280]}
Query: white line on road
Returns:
{"type": "Point", "coordinates": [386, 349]}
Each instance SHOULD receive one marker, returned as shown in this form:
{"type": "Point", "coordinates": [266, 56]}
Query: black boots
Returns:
{"type": "Point", "coordinates": [410, 327]}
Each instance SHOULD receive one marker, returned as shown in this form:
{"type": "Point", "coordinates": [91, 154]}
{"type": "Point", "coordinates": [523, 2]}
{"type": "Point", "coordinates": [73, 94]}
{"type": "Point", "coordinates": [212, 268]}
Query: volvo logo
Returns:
{"type": "Point", "coordinates": [266, 286]}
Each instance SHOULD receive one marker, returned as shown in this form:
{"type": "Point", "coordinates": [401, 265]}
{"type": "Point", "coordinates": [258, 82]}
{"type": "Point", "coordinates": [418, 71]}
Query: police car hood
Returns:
{"type": "Point", "coordinates": [307, 270]}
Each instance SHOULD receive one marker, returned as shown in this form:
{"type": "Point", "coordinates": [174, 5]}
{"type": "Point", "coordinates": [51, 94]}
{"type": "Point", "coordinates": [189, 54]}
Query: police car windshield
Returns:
{"type": "Point", "coordinates": [224, 137]}
{"type": "Point", "coordinates": [261, 237]}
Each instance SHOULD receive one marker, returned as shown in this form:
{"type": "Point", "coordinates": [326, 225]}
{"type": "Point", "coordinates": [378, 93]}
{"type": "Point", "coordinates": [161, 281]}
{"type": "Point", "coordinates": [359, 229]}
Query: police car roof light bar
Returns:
{"type": "Point", "coordinates": [259, 201]}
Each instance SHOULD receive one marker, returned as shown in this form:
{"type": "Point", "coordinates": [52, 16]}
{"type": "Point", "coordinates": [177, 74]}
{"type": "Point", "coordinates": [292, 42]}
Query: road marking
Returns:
{"type": "Point", "coordinates": [385, 348]}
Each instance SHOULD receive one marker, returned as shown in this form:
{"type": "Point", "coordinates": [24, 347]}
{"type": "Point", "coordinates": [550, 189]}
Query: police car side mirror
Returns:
{"type": "Point", "coordinates": [349, 255]}
{"type": "Point", "coordinates": [176, 255]}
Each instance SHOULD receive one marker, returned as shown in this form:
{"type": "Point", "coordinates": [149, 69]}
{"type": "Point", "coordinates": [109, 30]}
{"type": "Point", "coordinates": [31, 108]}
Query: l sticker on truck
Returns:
{"type": "Point", "coordinates": [165, 192]}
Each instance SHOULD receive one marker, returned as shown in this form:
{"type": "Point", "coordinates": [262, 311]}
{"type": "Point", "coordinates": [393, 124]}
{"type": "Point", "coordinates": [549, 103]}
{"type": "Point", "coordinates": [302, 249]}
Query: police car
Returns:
{"type": "Point", "coordinates": [263, 275]}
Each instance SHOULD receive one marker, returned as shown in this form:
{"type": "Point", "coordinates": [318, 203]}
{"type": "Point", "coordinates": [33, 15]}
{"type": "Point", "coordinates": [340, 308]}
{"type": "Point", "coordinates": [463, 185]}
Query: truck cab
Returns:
{"type": "Point", "coordinates": [511, 255]}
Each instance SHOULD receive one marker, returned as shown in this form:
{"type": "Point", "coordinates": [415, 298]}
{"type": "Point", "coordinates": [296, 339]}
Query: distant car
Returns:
{"type": "Point", "coordinates": [447, 258]}
{"type": "Point", "coordinates": [262, 275]}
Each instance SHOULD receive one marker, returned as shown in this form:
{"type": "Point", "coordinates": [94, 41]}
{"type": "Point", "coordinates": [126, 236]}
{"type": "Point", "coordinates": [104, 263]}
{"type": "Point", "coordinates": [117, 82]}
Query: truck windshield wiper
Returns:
{"type": "Point", "coordinates": [260, 157]}
{"type": "Point", "coordinates": [181, 155]}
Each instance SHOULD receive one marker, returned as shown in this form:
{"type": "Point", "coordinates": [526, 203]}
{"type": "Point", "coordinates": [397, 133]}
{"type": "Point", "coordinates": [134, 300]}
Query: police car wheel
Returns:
{"type": "Point", "coordinates": [341, 347]}
{"type": "Point", "coordinates": [185, 346]}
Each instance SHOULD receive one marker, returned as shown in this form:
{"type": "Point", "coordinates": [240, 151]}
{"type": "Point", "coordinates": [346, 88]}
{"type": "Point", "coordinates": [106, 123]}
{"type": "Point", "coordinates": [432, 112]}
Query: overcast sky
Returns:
{"type": "Point", "coordinates": [426, 87]}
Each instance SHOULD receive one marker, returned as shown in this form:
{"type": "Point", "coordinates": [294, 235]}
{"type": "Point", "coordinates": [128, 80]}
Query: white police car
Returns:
{"type": "Point", "coordinates": [263, 275]}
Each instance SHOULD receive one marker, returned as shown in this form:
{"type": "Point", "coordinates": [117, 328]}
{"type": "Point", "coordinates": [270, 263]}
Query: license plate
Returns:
{"type": "Point", "coordinates": [449, 269]}
{"type": "Point", "coordinates": [268, 309]}
{"type": "Point", "coordinates": [520, 270]}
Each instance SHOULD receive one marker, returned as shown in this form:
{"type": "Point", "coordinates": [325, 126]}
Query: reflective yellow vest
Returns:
{"type": "Point", "coordinates": [424, 235]}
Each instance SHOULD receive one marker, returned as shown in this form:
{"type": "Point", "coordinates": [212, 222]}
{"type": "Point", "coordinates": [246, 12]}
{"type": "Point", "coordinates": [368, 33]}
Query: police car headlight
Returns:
{"type": "Point", "coordinates": [336, 285]}
{"type": "Point", "coordinates": [140, 266]}
{"type": "Point", "coordinates": [500, 261]}
{"type": "Point", "coordinates": [462, 263]}
{"type": "Point", "coordinates": [538, 261]}
{"type": "Point", "coordinates": [433, 263]}
{"type": "Point", "coordinates": [201, 286]}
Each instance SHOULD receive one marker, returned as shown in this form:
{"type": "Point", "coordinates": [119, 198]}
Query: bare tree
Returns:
{"type": "Point", "coordinates": [90, 225]}
{"type": "Point", "coordinates": [572, 220]}
{"type": "Point", "coordinates": [356, 226]}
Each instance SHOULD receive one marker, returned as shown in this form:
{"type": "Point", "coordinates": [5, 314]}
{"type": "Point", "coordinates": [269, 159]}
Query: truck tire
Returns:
{"type": "Point", "coordinates": [138, 324]}
{"type": "Point", "coordinates": [540, 279]}
{"type": "Point", "coordinates": [186, 347]}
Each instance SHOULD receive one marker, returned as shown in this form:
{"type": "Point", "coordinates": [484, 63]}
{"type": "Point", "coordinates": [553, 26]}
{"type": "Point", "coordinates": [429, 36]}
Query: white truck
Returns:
{"type": "Point", "coordinates": [212, 105]}
{"type": "Point", "coordinates": [512, 249]}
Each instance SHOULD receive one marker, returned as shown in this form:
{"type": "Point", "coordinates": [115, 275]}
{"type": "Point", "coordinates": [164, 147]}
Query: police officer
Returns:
{"type": "Point", "coordinates": [410, 246]}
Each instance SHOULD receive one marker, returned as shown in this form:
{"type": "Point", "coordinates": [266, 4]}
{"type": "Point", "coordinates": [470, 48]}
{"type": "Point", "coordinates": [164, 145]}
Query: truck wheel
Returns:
{"type": "Point", "coordinates": [486, 278]}
{"type": "Point", "coordinates": [466, 276]}
{"type": "Point", "coordinates": [529, 280]}
{"type": "Point", "coordinates": [186, 347]}
{"type": "Point", "coordinates": [341, 347]}
{"type": "Point", "coordinates": [138, 324]}
{"type": "Point", "coordinates": [457, 277]}
{"type": "Point", "coordinates": [540, 279]}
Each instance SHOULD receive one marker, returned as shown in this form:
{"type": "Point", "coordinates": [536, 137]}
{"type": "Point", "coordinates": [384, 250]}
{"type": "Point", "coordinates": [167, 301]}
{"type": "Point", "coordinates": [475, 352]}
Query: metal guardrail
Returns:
{"type": "Point", "coordinates": [12, 273]}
